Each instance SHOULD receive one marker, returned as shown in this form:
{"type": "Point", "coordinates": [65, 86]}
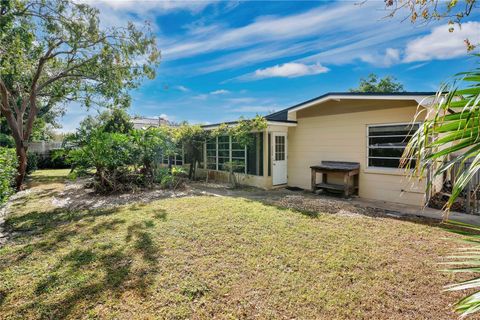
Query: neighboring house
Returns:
{"type": "Point", "coordinates": [143, 123]}
{"type": "Point", "coordinates": [369, 128]}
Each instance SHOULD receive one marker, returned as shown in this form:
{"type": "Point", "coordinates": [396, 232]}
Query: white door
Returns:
{"type": "Point", "coordinates": [279, 158]}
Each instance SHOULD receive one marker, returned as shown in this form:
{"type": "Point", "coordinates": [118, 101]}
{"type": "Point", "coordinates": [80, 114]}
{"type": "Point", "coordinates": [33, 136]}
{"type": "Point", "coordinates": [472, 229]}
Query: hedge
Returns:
{"type": "Point", "coordinates": [8, 171]}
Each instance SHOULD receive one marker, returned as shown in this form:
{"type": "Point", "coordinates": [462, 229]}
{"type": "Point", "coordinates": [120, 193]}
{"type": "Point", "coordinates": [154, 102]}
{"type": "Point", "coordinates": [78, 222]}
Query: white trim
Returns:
{"type": "Point", "coordinates": [273, 156]}
{"type": "Point", "coordinates": [281, 123]}
{"type": "Point", "coordinates": [420, 99]}
{"type": "Point", "coordinates": [269, 123]}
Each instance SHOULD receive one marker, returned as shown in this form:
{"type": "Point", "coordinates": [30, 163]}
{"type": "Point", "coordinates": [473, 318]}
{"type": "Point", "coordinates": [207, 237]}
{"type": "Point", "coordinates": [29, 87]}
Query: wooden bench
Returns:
{"type": "Point", "coordinates": [348, 169]}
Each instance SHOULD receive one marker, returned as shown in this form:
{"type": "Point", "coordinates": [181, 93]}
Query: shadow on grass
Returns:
{"type": "Point", "coordinates": [115, 266]}
{"type": "Point", "coordinates": [41, 222]}
{"type": "Point", "coordinates": [82, 275]}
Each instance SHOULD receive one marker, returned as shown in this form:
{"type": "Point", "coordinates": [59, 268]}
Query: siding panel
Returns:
{"type": "Point", "coordinates": [338, 131]}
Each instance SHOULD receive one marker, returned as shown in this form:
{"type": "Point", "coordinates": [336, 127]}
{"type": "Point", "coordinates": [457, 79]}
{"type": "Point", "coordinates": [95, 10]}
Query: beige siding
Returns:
{"type": "Point", "coordinates": [337, 130]}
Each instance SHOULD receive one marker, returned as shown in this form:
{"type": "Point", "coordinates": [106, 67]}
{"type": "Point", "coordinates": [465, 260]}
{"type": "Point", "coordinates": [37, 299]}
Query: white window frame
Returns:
{"type": "Point", "coordinates": [368, 143]}
{"type": "Point", "coordinates": [230, 156]}
{"type": "Point", "coordinates": [174, 158]}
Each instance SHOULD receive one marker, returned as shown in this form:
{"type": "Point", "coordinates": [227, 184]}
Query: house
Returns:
{"type": "Point", "coordinates": [368, 128]}
{"type": "Point", "coordinates": [143, 123]}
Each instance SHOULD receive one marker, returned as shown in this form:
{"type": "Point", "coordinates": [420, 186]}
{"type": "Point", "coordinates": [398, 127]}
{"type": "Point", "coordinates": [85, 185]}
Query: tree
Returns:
{"type": "Point", "coordinates": [116, 120]}
{"type": "Point", "coordinates": [425, 11]}
{"type": "Point", "coordinates": [373, 84]}
{"type": "Point", "coordinates": [192, 137]}
{"type": "Point", "coordinates": [455, 11]}
{"type": "Point", "coordinates": [54, 51]}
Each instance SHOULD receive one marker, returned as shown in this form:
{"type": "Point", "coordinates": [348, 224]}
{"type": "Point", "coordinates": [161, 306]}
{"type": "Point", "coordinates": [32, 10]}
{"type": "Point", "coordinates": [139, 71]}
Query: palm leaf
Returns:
{"type": "Point", "coordinates": [448, 141]}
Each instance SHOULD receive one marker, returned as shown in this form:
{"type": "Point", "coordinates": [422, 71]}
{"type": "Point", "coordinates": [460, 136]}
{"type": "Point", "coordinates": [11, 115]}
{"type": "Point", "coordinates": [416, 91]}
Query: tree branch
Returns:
{"type": "Point", "coordinates": [4, 97]}
{"type": "Point", "coordinates": [64, 73]}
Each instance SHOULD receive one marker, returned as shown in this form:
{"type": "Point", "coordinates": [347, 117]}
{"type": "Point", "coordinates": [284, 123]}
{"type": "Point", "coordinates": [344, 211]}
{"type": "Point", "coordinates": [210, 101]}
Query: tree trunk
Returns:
{"type": "Point", "coordinates": [21, 149]}
{"type": "Point", "coordinates": [22, 166]}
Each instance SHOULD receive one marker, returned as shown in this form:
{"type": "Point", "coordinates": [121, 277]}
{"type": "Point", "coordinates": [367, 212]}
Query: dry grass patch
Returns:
{"type": "Point", "coordinates": [212, 257]}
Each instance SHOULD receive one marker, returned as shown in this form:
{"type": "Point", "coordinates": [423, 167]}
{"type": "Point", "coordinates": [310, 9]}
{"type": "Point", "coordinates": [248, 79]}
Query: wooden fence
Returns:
{"type": "Point", "coordinates": [472, 192]}
{"type": "Point", "coordinates": [43, 148]}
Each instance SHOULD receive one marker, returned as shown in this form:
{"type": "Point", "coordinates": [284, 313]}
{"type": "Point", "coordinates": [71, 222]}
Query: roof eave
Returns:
{"type": "Point", "coordinates": [420, 99]}
{"type": "Point", "coordinates": [285, 123]}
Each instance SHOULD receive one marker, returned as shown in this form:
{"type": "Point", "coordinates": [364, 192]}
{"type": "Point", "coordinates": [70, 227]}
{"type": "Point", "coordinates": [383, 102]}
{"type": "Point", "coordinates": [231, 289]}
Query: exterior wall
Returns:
{"type": "Point", "coordinates": [337, 131]}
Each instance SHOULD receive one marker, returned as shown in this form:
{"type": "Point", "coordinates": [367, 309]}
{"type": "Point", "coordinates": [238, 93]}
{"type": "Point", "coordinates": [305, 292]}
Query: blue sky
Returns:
{"type": "Point", "coordinates": [222, 60]}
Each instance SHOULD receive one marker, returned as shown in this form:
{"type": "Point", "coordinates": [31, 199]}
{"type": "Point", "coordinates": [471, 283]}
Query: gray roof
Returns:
{"type": "Point", "coordinates": [282, 115]}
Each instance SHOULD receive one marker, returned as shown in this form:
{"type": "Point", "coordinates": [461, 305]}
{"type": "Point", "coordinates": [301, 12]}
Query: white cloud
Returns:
{"type": "Point", "coordinates": [268, 29]}
{"type": "Point", "coordinates": [441, 44]}
{"type": "Point", "coordinates": [200, 97]}
{"type": "Point", "coordinates": [182, 88]}
{"type": "Point", "coordinates": [391, 57]}
{"type": "Point", "coordinates": [287, 70]}
{"type": "Point", "coordinates": [221, 91]}
{"type": "Point", "coordinates": [143, 6]}
{"type": "Point", "coordinates": [339, 33]}
{"type": "Point", "coordinates": [242, 100]}
{"type": "Point", "coordinates": [417, 66]}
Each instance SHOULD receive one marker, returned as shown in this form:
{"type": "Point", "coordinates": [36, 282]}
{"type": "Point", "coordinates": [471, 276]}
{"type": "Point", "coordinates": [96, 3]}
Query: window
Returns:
{"type": "Point", "coordinates": [224, 149]}
{"type": "Point", "coordinates": [176, 159]}
{"type": "Point", "coordinates": [386, 144]}
{"type": "Point", "coordinates": [279, 148]}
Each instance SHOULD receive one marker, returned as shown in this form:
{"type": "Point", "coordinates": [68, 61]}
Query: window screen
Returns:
{"type": "Point", "coordinates": [386, 144]}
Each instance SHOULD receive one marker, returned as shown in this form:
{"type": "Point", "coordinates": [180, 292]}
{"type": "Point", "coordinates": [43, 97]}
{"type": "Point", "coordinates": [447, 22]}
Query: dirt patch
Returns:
{"type": "Point", "coordinates": [76, 196]}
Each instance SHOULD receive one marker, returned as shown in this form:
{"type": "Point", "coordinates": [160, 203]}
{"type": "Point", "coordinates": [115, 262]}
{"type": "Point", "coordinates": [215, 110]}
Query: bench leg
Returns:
{"type": "Point", "coordinates": [314, 180]}
{"type": "Point", "coordinates": [346, 182]}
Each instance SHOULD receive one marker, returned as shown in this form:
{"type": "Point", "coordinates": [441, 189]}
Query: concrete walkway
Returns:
{"type": "Point", "coordinates": [403, 210]}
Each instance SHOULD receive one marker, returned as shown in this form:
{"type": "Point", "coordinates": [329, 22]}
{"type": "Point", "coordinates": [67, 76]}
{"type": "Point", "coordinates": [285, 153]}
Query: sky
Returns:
{"type": "Point", "coordinates": [222, 60]}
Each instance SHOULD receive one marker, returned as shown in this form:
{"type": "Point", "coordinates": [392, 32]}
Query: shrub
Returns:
{"type": "Point", "coordinates": [8, 171]}
{"type": "Point", "coordinates": [112, 156]}
{"type": "Point", "coordinates": [6, 141]}
{"type": "Point", "coordinates": [32, 162]}
{"type": "Point", "coordinates": [171, 179]}
{"type": "Point", "coordinates": [56, 159]}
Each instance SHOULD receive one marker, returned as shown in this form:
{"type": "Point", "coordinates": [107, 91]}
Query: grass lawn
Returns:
{"type": "Point", "coordinates": [214, 257]}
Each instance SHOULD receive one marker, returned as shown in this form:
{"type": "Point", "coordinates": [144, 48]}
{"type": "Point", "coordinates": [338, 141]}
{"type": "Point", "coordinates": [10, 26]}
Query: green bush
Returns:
{"type": "Point", "coordinates": [111, 156]}
{"type": "Point", "coordinates": [32, 162]}
{"type": "Point", "coordinates": [125, 161]}
{"type": "Point", "coordinates": [6, 141]}
{"type": "Point", "coordinates": [56, 159]}
{"type": "Point", "coordinates": [8, 171]}
{"type": "Point", "coordinates": [171, 179]}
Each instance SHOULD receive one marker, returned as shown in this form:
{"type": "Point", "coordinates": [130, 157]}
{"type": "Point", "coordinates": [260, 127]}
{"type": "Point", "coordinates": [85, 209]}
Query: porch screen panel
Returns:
{"type": "Point", "coordinates": [223, 152]}
{"type": "Point", "coordinates": [212, 154]}
{"type": "Point", "coordinates": [238, 156]}
{"type": "Point", "coordinates": [255, 155]}
{"type": "Point", "coordinates": [386, 144]}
